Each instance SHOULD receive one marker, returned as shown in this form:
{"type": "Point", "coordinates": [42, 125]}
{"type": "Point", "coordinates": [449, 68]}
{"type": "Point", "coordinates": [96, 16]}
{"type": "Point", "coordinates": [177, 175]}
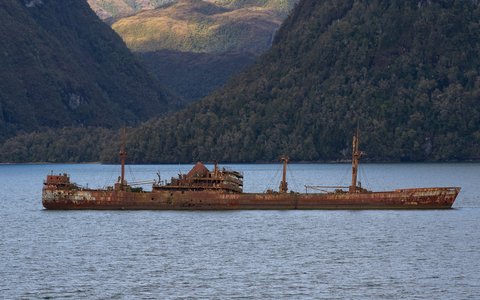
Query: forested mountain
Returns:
{"type": "Point", "coordinates": [203, 26]}
{"type": "Point", "coordinates": [207, 40]}
{"type": "Point", "coordinates": [195, 75]}
{"type": "Point", "coordinates": [60, 65]}
{"type": "Point", "coordinates": [406, 71]}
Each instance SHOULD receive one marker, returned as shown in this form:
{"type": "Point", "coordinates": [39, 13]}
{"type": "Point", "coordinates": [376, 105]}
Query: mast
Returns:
{"type": "Point", "coordinates": [284, 185]}
{"type": "Point", "coordinates": [356, 154]}
{"type": "Point", "coordinates": [215, 168]}
{"type": "Point", "coordinates": [123, 156]}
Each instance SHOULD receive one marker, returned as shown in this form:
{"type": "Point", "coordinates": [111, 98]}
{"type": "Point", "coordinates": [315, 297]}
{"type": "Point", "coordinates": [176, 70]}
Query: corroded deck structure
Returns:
{"type": "Point", "coordinates": [431, 198]}
{"type": "Point", "coordinates": [202, 189]}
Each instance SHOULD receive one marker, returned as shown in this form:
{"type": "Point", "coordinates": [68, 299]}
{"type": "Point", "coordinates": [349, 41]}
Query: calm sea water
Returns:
{"type": "Point", "coordinates": [244, 254]}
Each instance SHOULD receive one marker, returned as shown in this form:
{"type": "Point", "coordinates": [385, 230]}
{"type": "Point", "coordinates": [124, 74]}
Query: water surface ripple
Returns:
{"type": "Point", "coordinates": [243, 254]}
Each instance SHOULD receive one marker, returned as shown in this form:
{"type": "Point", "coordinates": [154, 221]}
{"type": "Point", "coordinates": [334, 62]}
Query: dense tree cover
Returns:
{"type": "Point", "coordinates": [70, 144]}
{"type": "Point", "coordinates": [193, 76]}
{"type": "Point", "coordinates": [406, 71]}
{"type": "Point", "coordinates": [60, 65]}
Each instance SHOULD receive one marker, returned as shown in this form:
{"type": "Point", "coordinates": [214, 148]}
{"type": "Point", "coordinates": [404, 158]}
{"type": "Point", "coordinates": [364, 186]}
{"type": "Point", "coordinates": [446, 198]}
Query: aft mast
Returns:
{"type": "Point", "coordinates": [356, 154]}
{"type": "Point", "coordinates": [284, 185]}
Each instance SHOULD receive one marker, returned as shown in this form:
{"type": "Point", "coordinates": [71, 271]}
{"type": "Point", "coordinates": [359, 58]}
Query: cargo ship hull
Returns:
{"type": "Point", "coordinates": [222, 189]}
{"type": "Point", "coordinates": [90, 199]}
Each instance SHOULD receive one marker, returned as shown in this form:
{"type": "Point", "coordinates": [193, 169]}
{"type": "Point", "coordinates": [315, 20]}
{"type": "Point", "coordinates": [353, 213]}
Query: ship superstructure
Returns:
{"type": "Point", "coordinates": [222, 189]}
{"type": "Point", "coordinates": [201, 179]}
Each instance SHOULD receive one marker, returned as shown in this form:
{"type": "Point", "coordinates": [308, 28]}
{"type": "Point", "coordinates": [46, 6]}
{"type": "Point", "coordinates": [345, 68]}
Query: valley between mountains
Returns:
{"type": "Point", "coordinates": [190, 86]}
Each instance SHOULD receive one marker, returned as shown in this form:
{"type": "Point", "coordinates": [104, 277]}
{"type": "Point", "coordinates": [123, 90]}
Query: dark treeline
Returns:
{"type": "Point", "coordinates": [406, 71]}
{"type": "Point", "coordinates": [193, 76]}
{"type": "Point", "coordinates": [88, 144]}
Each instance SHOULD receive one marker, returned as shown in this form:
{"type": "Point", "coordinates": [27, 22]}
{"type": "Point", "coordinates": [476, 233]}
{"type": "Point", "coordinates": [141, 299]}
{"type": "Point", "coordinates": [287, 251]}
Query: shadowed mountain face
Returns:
{"type": "Point", "coordinates": [60, 65]}
{"type": "Point", "coordinates": [195, 75]}
{"type": "Point", "coordinates": [233, 32]}
{"type": "Point", "coordinates": [407, 71]}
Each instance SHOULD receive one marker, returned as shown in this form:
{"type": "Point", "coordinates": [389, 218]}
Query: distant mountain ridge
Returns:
{"type": "Point", "coordinates": [233, 32]}
{"type": "Point", "coordinates": [116, 9]}
{"type": "Point", "coordinates": [60, 65]}
{"type": "Point", "coordinates": [204, 26]}
{"type": "Point", "coordinates": [408, 72]}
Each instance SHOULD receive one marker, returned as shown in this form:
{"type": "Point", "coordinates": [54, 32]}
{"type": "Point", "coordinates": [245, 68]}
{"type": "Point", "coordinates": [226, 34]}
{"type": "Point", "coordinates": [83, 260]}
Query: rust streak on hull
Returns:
{"type": "Point", "coordinates": [432, 198]}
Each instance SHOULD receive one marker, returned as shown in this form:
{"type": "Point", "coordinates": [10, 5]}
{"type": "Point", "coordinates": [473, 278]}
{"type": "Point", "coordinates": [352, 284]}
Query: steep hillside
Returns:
{"type": "Point", "coordinates": [60, 65]}
{"type": "Point", "coordinates": [406, 71]}
{"type": "Point", "coordinates": [114, 9]}
{"type": "Point", "coordinates": [233, 32]}
{"type": "Point", "coordinates": [163, 32]}
{"type": "Point", "coordinates": [201, 26]}
{"type": "Point", "coordinates": [195, 75]}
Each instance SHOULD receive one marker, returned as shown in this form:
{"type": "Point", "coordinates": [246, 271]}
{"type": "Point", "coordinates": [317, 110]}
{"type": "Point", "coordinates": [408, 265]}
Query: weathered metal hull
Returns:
{"type": "Point", "coordinates": [73, 199]}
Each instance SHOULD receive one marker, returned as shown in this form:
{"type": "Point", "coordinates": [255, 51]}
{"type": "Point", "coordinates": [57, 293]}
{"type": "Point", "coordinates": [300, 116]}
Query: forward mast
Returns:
{"type": "Point", "coordinates": [123, 157]}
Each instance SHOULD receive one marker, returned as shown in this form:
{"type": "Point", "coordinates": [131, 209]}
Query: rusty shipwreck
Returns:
{"type": "Point", "coordinates": [221, 189]}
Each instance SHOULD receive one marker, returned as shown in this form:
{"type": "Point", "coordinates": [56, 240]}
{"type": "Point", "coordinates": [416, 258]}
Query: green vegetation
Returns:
{"type": "Point", "coordinates": [113, 9]}
{"type": "Point", "coordinates": [116, 9]}
{"type": "Point", "coordinates": [60, 65]}
{"type": "Point", "coordinates": [194, 75]}
{"type": "Point", "coordinates": [232, 32]}
{"type": "Point", "coordinates": [407, 71]}
{"type": "Point", "coordinates": [204, 26]}
{"type": "Point", "coordinates": [83, 144]}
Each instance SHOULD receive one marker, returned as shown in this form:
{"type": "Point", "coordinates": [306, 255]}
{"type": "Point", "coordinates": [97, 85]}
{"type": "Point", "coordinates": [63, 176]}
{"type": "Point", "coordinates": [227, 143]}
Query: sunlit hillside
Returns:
{"type": "Point", "coordinates": [107, 9]}
{"type": "Point", "coordinates": [205, 40]}
{"type": "Point", "coordinates": [204, 26]}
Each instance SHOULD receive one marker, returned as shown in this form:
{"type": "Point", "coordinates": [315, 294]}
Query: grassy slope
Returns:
{"type": "Point", "coordinates": [115, 9]}
{"type": "Point", "coordinates": [208, 41]}
{"type": "Point", "coordinates": [200, 26]}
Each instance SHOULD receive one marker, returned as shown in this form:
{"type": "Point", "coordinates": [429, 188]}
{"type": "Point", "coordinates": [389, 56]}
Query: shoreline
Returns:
{"type": "Point", "coordinates": [245, 163]}
{"type": "Point", "coordinates": [53, 163]}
